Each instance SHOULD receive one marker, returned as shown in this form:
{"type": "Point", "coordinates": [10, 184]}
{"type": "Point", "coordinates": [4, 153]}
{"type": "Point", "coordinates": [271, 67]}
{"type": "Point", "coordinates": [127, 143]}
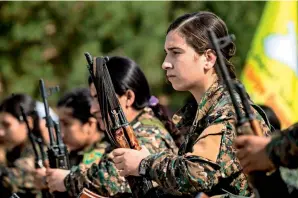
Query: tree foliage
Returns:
{"type": "Point", "coordinates": [47, 39]}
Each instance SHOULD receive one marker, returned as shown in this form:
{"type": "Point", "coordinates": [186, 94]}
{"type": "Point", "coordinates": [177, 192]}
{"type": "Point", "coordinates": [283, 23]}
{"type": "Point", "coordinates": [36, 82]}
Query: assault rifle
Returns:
{"type": "Point", "coordinates": [117, 127]}
{"type": "Point", "coordinates": [57, 151]}
{"type": "Point", "coordinates": [246, 123]}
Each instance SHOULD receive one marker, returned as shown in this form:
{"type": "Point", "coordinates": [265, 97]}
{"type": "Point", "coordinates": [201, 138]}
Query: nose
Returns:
{"type": "Point", "coordinates": [166, 65]}
{"type": "Point", "coordinates": [2, 132]}
{"type": "Point", "coordinates": [94, 107]}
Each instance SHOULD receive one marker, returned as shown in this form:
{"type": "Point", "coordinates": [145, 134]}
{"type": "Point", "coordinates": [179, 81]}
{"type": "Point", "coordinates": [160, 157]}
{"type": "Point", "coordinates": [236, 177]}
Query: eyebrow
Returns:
{"type": "Point", "coordinates": [173, 48]}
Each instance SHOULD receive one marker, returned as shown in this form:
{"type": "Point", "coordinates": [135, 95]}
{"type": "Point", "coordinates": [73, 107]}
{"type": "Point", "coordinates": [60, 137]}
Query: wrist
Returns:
{"type": "Point", "coordinates": [143, 168]}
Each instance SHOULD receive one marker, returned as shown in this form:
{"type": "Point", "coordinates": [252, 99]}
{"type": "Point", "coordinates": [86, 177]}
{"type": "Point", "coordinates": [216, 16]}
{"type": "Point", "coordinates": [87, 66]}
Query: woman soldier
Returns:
{"type": "Point", "coordinates": [206, 162]}
{"type": "Point", "coordinates": [80, 133]}
{"type": "Point", "coordinates": [16, 174]}
{"type": "Point", "coordinates": [143, 113]}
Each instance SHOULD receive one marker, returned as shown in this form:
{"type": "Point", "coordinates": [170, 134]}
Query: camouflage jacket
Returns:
{"type": "Point", "coordinates": [283, 149]}
{"type": "Point", "coordinates": [103, 178]}
{"type": "Point", "coordinates": [16, 175]}
{"type": "Point", "coordinates": [83, 159]}
{"type": "Point", "coordinates": [207, 161]}
{"type": "Point", "coordinates": [89, 155]}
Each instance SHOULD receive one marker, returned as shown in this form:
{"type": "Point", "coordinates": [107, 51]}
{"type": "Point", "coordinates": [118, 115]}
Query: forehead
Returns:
{"type": "Point", "coordinates": [4, 116]}
{"type": "Point", "coordinates": [175, 39]}
{"type": "Point", "coordinates": [65, 112]}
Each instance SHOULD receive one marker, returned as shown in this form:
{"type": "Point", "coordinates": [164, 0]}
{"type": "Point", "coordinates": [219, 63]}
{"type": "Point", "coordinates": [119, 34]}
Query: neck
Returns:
{"type": "Point", "coordinates": [133, 114]}
{"type": "Point", "coordinates": [199, 90]}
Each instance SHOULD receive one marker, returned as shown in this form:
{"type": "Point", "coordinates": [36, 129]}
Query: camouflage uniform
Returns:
{"type": "Point", "coordinates": [207, 161]}
{"type": "Point", "coordinates": [83, 159]}
{"type": "Point", "coordinates": [89, 155]}
{"type": "Point", "coordinates": [283, 151]}
{"type": "Point", "coordinates": [103, 178]}
{"type": "Point", "coordinates": [16, 175]}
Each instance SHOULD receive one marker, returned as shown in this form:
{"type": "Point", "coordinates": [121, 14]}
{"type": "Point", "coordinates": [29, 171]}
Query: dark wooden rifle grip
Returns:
{"type": "Point", "coordinates": [132, 138]}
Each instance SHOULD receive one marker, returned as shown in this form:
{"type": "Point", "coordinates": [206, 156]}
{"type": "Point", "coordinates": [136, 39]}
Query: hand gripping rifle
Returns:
{"type": "Point", "coordinates": [57, 151]}
{"type": "Point", "coordinates": [117, 127]}
{"type": "Point", "coordinates": [246, 123]}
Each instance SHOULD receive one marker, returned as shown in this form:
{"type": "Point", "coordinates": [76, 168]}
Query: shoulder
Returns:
{"type": "Point", "coordinates": [148, 123]}
{"type": "Point", "coordinates": [95, 154]}
{"type": "Point", "coordinates": [151, 132]}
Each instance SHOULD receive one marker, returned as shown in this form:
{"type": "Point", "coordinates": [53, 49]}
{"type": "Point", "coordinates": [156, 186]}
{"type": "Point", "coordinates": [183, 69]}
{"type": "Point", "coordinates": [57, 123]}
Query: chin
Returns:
{"type": "Point", "coordinates": [179, 87]}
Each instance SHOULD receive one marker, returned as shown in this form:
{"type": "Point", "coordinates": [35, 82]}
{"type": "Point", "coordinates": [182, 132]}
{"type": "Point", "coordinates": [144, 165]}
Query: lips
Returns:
{"type": "Point", "coordinates": [170, 76]}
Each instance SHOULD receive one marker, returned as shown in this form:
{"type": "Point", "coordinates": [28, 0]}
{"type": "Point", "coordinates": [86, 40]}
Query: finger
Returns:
{"type": "Point", "coordinates": [241, 141]}
{"type": "Point", "coordinates": [248, 168]}
{"type": "Point", "coordinates": [120, 166]}
{"type": "Point", "coordinates": [242, 153]}
{"type": "Point", "coordinates": [51, 187]}
{"type": "Point", "coordinates": [122, 173]}
{"type": "Point", "coordinates": [118, 159]}
{"type": "Point", "coordinates": [245, 163]}
{"type": "Point", "coordinates": [119, 151]}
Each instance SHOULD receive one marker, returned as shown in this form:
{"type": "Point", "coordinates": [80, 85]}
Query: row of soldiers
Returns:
{"type": "Point", "coordinates": [196, 151]}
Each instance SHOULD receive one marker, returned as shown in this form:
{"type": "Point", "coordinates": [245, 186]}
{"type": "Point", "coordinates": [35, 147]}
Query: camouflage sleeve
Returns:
{"type": "Point", "coordinates": [182, 174]}
{"type": "Point", "coordinates": [210, 161]}
{"type": "Point", "coordinates": [283, 149]}
{"type": "Point", "coordinates": [18, 179]}
{"type": "Point", "coordinates": [103, 178]}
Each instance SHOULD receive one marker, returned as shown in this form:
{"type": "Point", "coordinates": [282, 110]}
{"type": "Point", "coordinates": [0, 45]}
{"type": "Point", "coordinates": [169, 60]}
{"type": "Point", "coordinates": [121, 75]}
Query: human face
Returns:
{"type": "Point", "coordinates": [183, 65]}
{"type": "Point", "coordinates": [126, 101]}
{"type": "Point", "coordinates": [95, 110]}
{"type": "Point", "coordinates": [74, 132]}
{"type": "Point", "coordinates": [12, 132]}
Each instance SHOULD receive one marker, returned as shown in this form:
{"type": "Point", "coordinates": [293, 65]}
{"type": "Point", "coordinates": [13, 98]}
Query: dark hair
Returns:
{"type": "Point", "coordinates": [12, 104]}
{"type": "Point", "coordinates": [127, 75]}
{"type": "Point", "coordinates": [273, 119]}
{"type": "Point", "coordinates": [79, 100]}
{"type": "Point", "coordinates": [194, 28]}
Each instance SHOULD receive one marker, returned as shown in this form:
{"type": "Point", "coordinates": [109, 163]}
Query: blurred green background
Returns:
{"type": "Point", "coordinates": [47, 40]}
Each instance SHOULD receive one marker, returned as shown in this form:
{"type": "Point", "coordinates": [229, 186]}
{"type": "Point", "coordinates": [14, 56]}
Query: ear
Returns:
{"type": "Point", "coordinates": [210, 59]}
{"type": "Point", "coordinates": [130, 98]}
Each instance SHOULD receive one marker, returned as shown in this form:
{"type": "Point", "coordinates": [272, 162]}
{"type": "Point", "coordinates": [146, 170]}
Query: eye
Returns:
{"type": "Point", "coordinates": [5, 124]}
{"type": "Point", "coordinates": [176, 52]}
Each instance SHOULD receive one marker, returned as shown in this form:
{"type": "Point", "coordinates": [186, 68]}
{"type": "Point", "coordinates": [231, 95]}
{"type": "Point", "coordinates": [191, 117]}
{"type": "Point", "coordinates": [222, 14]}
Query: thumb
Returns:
{"type": "Point", "coordinates": [118, 151]}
